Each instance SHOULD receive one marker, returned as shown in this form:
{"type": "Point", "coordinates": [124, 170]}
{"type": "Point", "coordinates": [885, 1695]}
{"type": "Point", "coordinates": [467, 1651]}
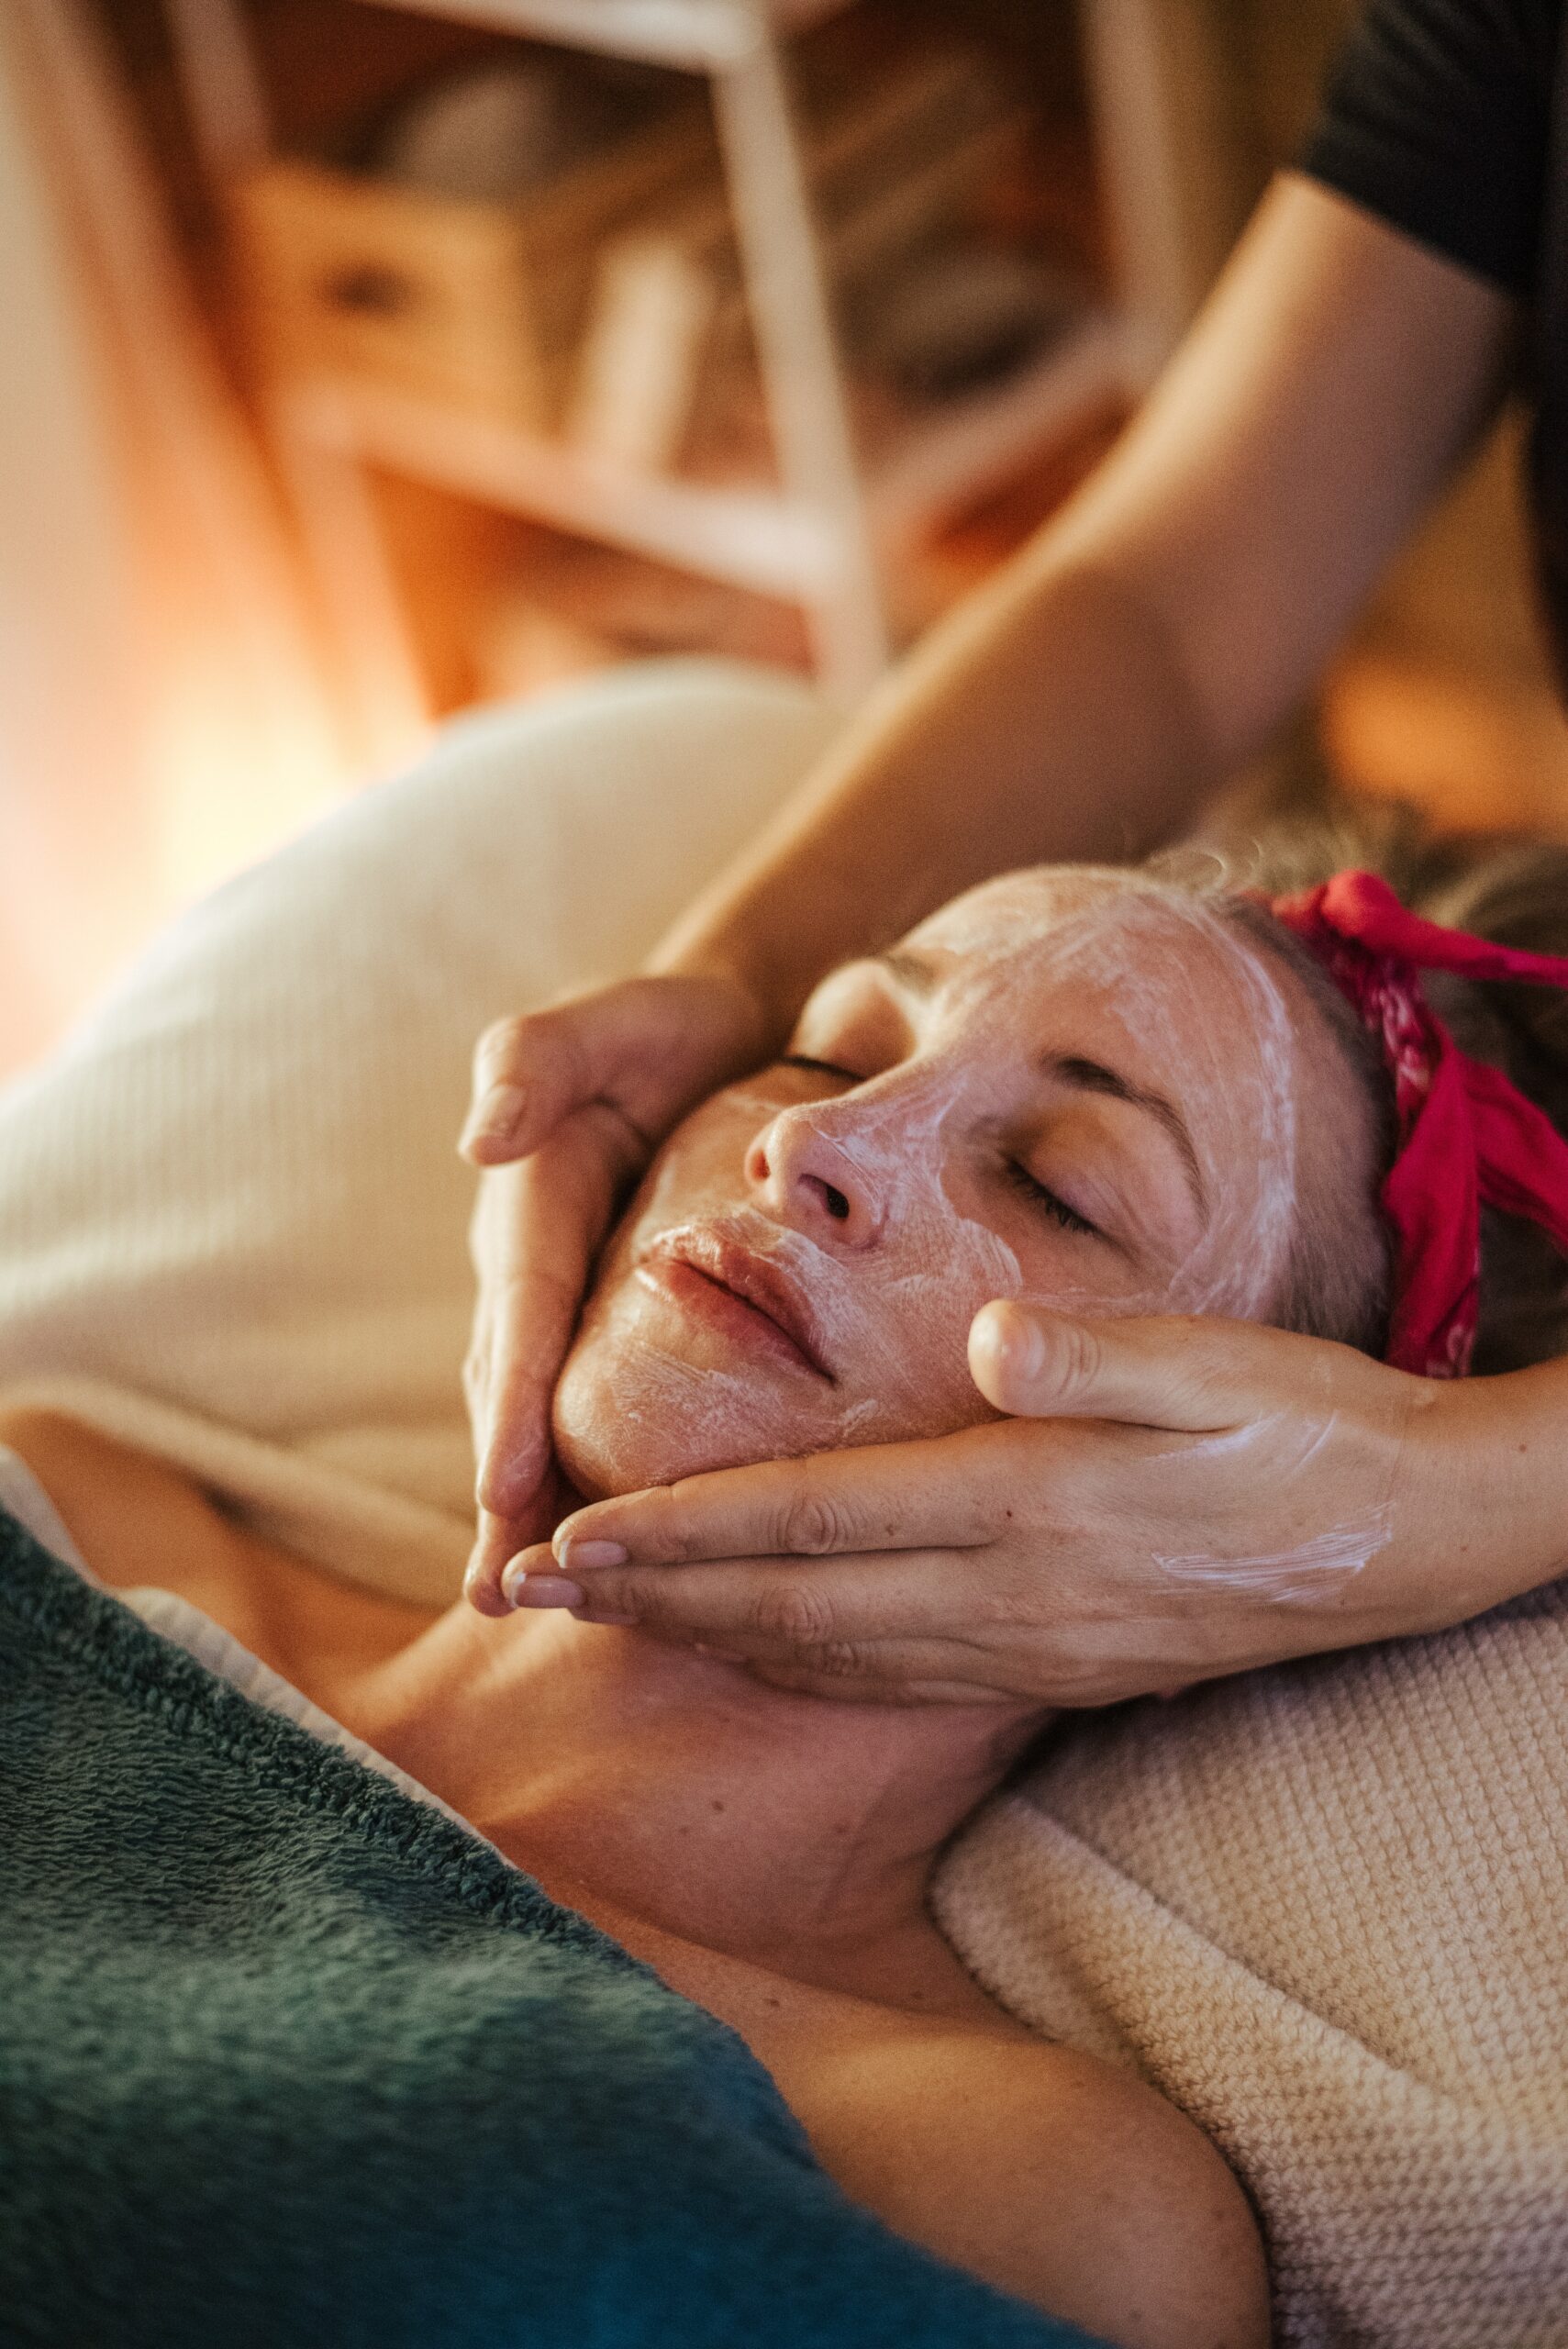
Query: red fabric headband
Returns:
{"type": "Point", "coordinates": [1466, 1134]}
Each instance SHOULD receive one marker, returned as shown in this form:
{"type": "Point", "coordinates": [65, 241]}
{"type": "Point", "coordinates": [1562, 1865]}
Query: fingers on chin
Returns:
{"type": "Point", "coordinates": [481, 1586]}
{"type": "Point", "coordinates": [511, 1481]}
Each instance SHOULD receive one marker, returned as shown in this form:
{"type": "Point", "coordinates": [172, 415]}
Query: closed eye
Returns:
{"type": "Point", "coordinates": [1017, 1173]}
{"type": "Point", "coordinates": [1057, 1209]}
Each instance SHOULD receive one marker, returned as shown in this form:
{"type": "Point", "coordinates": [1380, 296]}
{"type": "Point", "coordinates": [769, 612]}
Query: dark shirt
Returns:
{"type": "Point", "coordinates": [1448, 120]}
{"type": "Point", "coordinates": [1437, 118]}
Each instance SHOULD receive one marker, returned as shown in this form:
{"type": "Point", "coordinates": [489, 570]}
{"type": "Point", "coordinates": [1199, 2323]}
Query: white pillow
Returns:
{"type": "Point", "coordinates": [232, 1220]}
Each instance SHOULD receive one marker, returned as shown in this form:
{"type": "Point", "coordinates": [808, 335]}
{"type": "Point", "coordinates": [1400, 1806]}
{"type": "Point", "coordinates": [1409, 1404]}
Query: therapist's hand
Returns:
{"type": "Point", "coordinates": [569, 1105]}
{"type": "Point", "coordinates": [1174, 1499]}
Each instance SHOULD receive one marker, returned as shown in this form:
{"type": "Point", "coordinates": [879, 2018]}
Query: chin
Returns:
{"type": "Point", "coordinates": [619, 1431]}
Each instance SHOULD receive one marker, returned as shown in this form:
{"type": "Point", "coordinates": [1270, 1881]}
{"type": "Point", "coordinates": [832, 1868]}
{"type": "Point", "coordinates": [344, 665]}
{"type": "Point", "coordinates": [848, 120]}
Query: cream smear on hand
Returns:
{"type": "Point", "coordinates": [1301, 1576]}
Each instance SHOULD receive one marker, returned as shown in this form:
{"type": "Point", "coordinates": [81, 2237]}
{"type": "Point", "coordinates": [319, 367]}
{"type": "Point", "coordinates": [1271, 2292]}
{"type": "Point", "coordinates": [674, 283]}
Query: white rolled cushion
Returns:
{"type": "Point", "coordinates": [232, 1220]}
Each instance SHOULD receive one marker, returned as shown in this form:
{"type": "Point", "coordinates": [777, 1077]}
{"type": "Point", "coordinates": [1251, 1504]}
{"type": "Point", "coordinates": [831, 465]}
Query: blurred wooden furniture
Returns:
{"type": "Point", "coordinates": [828, 536]}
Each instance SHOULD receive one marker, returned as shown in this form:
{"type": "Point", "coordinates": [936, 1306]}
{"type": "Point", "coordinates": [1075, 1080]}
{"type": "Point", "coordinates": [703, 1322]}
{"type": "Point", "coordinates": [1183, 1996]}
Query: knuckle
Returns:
{"type": "Point", "coordinates": [510, 1471]}
{"type": "Point", "coordinates": [492, 1489]}
{"type": "Point", "coordinates": [669, 1525]}
{"type": "Point", "coordinates": [1077, 1357]}
{"type": "Point", "coordinates": [1001, 1602]}
{"type": "Point", "coordinates": [621, 1598]}
{"type": "Point", "coordinates": [795, 1615]}
{"type": "Point", "coordinates": [835, 1660]}
{"type": "Point", "coordinates": [812, 1526]}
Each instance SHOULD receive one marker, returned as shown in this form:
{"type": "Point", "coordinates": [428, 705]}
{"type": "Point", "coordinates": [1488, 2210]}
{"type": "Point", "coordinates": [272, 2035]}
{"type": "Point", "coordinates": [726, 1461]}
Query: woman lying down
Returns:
{"type": "Point", "coordinates": [1088, 1087]}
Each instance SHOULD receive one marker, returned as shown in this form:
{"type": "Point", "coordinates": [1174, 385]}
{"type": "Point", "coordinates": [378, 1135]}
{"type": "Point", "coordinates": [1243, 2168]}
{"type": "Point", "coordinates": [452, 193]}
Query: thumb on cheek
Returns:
{"type": "Point", "coordinates": [1027, 1361]}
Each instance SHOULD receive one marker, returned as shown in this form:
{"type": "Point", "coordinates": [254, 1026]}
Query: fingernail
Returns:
{"type": "Point", "coordinates": [543, 1590]}
{"type": "Point", "coordinates": [492, 1116]}
{"type": "Point", "coordinates": [575, 1554]}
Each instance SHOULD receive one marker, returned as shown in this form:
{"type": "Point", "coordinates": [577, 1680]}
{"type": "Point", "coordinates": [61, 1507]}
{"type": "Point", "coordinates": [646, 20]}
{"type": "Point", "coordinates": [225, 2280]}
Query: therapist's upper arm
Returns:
{"type": "Point", "coordinates": [1336, 374]}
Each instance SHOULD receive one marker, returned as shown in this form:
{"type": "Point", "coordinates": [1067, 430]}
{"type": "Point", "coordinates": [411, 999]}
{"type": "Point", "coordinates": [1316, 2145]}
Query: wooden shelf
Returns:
{"type": "Point", "coordinates": [759, 539]}
{"type": "Point", "coordinates": [850, 489]}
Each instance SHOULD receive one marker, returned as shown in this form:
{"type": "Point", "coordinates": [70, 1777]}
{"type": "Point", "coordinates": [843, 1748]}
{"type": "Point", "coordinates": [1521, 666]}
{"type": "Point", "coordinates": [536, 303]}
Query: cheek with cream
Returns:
{"type": "Point", "coordinates": [1082, 963]}
{"type": "Point", "coordinates": [646, 1397]}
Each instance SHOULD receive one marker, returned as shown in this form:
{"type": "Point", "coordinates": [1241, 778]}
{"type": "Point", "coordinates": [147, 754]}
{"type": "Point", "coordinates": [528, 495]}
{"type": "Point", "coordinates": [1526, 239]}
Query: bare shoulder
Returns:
{"type": "Point", "coordinates": [125, 1512]}
{"type": "Point", "coordinates": [1057, 2176]}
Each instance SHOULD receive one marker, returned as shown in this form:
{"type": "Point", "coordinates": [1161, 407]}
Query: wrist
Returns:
{"type": "Point", "coordinates": [1526, 1412]}
{"type": "Point", "coordinates": [1491, 1464]}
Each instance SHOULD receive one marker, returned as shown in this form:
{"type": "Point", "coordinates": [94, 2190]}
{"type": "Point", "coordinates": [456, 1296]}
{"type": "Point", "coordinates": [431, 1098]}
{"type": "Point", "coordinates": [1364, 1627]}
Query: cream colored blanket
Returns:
{"type": "Point", "coordinates": [232, 1216]}
{"type": "Point", "coordinates": [1324, 1909]}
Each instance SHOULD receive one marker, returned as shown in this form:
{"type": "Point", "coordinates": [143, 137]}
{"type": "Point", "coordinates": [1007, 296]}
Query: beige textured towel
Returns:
{"type": "Point", "coordinates": [1325, 1909]}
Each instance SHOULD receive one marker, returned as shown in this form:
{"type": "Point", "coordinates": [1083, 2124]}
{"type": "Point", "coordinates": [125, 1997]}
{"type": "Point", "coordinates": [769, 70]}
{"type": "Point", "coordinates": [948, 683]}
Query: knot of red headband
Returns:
{"type": "Point", "coordinates": [1466, 1135]}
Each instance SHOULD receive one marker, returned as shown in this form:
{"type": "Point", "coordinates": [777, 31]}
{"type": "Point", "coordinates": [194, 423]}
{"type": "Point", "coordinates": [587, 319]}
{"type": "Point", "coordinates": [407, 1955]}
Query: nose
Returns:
{"type": "Point", "coordinates": [809, 1181]}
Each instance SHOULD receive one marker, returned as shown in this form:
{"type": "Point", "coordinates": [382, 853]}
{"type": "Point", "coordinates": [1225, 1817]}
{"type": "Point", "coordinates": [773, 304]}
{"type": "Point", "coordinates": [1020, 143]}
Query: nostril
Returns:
{"type": "Point", "coordinates": [836, 1203]}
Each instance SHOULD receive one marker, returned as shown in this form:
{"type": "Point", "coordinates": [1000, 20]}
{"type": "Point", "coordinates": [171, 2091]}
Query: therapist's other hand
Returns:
{"type": "Point", "coordinates": [569, 1105]}
{"type": "Point", "coordinates": [1172, 1500]}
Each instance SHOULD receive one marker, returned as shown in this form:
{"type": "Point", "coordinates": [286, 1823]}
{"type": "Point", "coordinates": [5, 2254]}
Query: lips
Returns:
{"type": "Point", "coordinates": [728, 1265]}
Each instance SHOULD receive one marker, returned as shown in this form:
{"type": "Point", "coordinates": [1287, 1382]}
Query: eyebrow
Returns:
{"type": "Point", "coordinates": [915, 972]}
{"type": "Point", "coordinates": [1093, 1076]}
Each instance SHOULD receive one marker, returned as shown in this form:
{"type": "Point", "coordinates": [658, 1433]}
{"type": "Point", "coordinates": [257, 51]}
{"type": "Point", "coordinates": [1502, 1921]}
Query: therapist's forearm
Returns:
{"type": "Point", "coordinates": [1085, 700]}
{"type": "Point", "coordinates": [1047, 720]}
{"type": "Point", "coordinates": [1491, 1465]}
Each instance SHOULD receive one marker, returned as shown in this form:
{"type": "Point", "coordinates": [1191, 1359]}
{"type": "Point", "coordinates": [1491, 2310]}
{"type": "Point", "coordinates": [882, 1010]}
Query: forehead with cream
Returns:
{"type": "Point", "coordinates": [1168, 987]}
{"type": "Point", "coordinates": [1091, 966]}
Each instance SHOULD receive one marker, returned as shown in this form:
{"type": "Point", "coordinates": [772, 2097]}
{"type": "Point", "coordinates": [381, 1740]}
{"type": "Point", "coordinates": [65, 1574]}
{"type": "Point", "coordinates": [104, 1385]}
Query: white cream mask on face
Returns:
{"type": "Point", "coordinates": [891, 1319]}
{"type": "Point", "coordinates": [893, 1287]}
{"type": "Point", "coordinates": [1238, 1084]}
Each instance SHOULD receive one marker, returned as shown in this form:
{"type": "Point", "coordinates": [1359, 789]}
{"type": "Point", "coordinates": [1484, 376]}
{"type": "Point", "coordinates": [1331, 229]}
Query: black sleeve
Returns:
{"type": "Point", "coordinates": [1437, 117]}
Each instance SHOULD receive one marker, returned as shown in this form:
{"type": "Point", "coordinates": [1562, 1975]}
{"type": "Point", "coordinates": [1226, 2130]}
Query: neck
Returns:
{"type": "Point", "coordinates": [646, 1784]}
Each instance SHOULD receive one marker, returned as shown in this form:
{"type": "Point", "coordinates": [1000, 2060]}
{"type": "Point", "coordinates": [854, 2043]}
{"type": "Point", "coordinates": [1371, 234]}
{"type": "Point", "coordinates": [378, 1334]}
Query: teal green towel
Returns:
{"type": "Point", "coordinates": [288, 2059]}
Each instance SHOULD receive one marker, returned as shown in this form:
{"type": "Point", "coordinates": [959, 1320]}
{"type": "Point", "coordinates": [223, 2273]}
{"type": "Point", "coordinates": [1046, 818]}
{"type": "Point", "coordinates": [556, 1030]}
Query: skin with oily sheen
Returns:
{"type": "Point", "coordinates": [1074, 1087]}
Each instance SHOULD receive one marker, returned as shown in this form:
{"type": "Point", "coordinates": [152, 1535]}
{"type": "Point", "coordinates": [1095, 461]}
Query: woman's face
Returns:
{"type": "Point", "coordinates": [1070, 1085]}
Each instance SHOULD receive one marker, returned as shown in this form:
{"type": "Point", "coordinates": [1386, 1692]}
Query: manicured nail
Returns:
{"type": "Point", "coordinates": [574, 1555]}
{"type": "Point", "coordinates": [543, 1590]}
{"type": "Point", "coordinates": [492, 1116]}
